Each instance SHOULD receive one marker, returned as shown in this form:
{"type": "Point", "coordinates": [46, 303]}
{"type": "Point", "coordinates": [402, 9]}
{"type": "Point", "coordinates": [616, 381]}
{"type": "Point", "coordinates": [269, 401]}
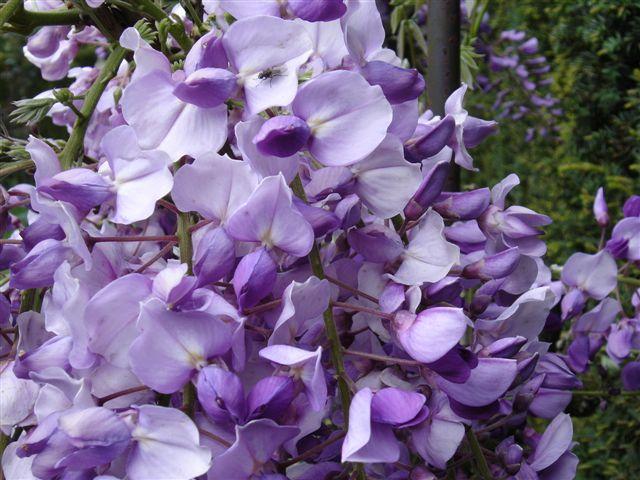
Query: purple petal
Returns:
{"type": "Point", "coordinates": [596, 275]}
{"type": "Point", "coordinates": [254, 278]}
{"type": "Point", "coordinates": [214, 256]}
{"type": "Point", "coordinates": [282, 136]}
{"type": "Point", "coordinates": [429, 335]}
{"type": "Point", "coordinates": [270, 218]}
{"type": "Point", "coordinates": [214, 186]}
{"type": "Point", "coordinates": [221, 394]}
{"type": "Point", "coordinates": [555, 440]}
{"type": "Point", "coordinates": [463, 205]}
{"type": "Point", "coordinates": [207, 87]}
{"type": "Point", "coordinates": [488, 382]}
{"type": "Point", "coordinates": [428, 191]}
{"type": "Point", "coordinates": [398, 84]}
{"type": "Point", "coordinates": [394, 406]}
{"type": "Point", "coordinates": [270, 397]}
{"type": "Point", "coordinates": [600, 210]}
{"type": "Point", "coordinates": [345, 114]}
{"type": "Point", "coordinates": [173, 345]}
{"type": "Point", "coordinates": [167, 446]}
{"type": "Point", "coordinates": [318, 10]}
{"type": "Point", "coordinates": [367, 442]}
{"type": "Point", "coordinates": [256, 443]}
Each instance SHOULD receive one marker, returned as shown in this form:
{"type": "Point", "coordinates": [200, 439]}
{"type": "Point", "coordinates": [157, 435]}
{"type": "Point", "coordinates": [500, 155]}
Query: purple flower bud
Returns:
{"type": "Point", "coordinates": [376, 243]}
{"type": "Point", "coordinates": [37, 268]}
{"type": "Point", "coordinates": [476, 130]}
{"type": "Point", "coordinates": [512, 35]}
{"type": "Point", "coordinates": [430, 139]}
{"type": "Point", "coordinates": [572, 303]}
{"type": "Point", "coordinates": [214, 256]}
{"type": "Point", "coordinates": [318, 10]}
{"type": "Point", "coordinates": [282, 136]}
{"type": "Point", "coordinates": [600, 210]}
{"type": "Point", "coordinates": [463, 205]}
{"type": "Point", "coordinates": [428, 191]}
{"type": "Point", "coordinates": [40, 230]}
{"type": "Point", "coordinates": [81, 187]}
{"type": "Point", "coordinates": [631, 207]}
{"type": "Point", "coordinates": [398, 84]}
{"type": "Point", "coordinates": [270, 397]}
{"type": "Point", "coordinates": [208, 52]}
{"type": "Point", "coordinates": [530, 46]}
{"type": "Point", "coordinates": [504, 347]}
{"type": "Point", "coordinates": [456, 365]}
{"type": "Point", "coordinates": [254, 278]}
{"type": "Point", "coordinates": [221, 394]}
{"type": "Point", "coordinates": [207, 87]}
{"type": "Point", "coordinates": [498, 265]}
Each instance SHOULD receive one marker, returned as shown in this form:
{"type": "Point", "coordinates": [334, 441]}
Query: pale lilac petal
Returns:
{"type": "Point", "coordinates": [167, 446]}
{"type": "Point", "coordinates": [173, 345]}
{"type": "Point", "coordinates": [163, 122]}
{"type": "Point", "coordinates": [394, 406]}
{"type": "Point", "coordinates": [555, 440]}
{"type": "Point", "coordinates": [303, 306]}
{"type": "Point", "coordinates": [270, 218]}
{"type": "Point", "coordinates": [309, 366]}
{"type": "Point", "coordinates": [110, 330]}
{"type": "Point", "coordinates": [140, 177]}
{"type": "Point", "coordinates": [256, 442]}
{"type": "Point", "coordinates": [596, 275]}
{"type": "Point", "coordinates": [428, 257]}
{"type": "Point", "coordinates": [345, 114]}
{"type": "Point", "coordinates": [46, 160]}
{"type": "Point", "coordinates": [438, 440]}
{"type": "Point", "coordinates": [385, 181]}
{"type": "Point", "coordinates": [428, 336]}
{"type": "Point", "coordinates": [363, 30]}
{"type": "Point", "coordinates": [214, 186]}
{"type": "Point", "coordinates": [263, 165]}
{"type": "Point", "coordinates": [488, 382]}
{"type": "Point", "coordinates": [367, 442]}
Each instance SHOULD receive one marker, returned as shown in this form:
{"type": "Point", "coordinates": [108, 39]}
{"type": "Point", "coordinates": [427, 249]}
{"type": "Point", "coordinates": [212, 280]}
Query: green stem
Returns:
{"type": "Point", "coordinates": [629, 281]}
{"type": "Point", "coordinates": [75, 145]}
{"type": "Point", "coordinates": [330, 326]}
{"type": "Point", "coordinates": [14, 167]}
{"type": "Point", "coordinates": [9, 10]}
{"type": "Point", "coordinates": [4, 441]}
{"type": "Point", "coordinates": [477, 16]}
{"type": "Point", "coordinates": [25, 21]}
{"type": "Point", "coordinates": [184, 240]}
{"type": "Point", "coordinates": [480, 459]}
{"type": "Point", "coordinates": [186, 256]}
{"type": "Point", "coordinates": [192, 12]}
{"type": "Point", "coordinates": [175, 29]}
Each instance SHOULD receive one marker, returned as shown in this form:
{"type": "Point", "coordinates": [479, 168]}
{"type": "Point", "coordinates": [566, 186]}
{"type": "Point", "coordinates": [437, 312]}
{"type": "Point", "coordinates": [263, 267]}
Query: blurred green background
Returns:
{"type": "Point", "coordinates": [593, 48]}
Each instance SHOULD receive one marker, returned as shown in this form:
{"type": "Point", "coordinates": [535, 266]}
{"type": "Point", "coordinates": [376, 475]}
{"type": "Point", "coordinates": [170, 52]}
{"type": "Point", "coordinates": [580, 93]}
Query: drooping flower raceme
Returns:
{"type": "Point", "coordinates": [250, 269]}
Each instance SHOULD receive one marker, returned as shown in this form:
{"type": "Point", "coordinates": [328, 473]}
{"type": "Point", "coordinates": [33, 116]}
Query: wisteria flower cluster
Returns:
{"type": "Point", "coordinates": [243, 264]}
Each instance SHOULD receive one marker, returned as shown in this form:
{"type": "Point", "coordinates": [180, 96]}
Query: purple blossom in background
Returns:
{"type": "Point", "coordinates": [249, 269]}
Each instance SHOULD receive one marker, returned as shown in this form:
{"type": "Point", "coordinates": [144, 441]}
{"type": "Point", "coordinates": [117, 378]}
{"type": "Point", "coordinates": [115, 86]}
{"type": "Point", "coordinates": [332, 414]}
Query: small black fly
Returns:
{"type": "Point", "coordinates": [270, 74]}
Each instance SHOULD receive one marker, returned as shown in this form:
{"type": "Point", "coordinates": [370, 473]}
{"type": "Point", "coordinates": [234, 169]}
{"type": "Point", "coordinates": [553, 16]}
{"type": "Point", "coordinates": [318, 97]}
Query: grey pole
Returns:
{"type": "Point", "coordinates": [443, 62]}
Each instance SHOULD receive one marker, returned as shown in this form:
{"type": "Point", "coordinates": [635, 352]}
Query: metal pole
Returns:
{"type": "Point", "coordinates": [443, 62]}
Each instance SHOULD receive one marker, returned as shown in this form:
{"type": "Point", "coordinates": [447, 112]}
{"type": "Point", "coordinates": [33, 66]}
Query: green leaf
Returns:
{"type": "Point", "coordinates": [397, 16]}
{"type": "Point", "coordinates": [31, 110]}
{"type": "Point", "coordinates": [418, 36]}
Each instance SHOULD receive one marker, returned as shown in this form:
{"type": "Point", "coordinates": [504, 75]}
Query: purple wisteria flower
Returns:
{"type": "Point", "coordinates": [242, 264]}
